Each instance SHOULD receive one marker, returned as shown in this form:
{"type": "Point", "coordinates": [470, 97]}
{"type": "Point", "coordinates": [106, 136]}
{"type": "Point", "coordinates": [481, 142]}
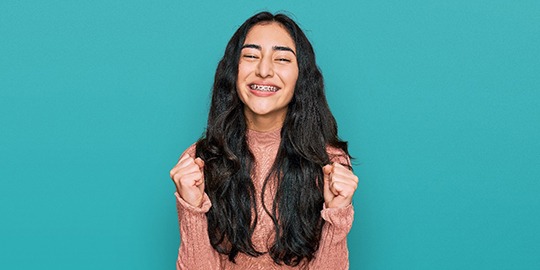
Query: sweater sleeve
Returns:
{"type": "Point", "coordinates": [195, 250]}
{"type": "Point", "coordinates": [333, 252]}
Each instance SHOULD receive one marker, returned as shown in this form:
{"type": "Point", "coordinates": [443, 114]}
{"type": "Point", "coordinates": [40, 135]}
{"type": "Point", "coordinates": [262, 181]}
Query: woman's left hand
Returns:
{"type": "Point", "coordinates": [339, 185]}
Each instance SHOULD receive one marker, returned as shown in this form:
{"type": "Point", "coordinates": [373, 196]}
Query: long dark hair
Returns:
{"type": "Point", "coordinates": [309, 128]}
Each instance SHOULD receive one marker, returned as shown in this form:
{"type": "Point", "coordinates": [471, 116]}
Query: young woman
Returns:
{"type": "Point", "coordinates": [270, 185]}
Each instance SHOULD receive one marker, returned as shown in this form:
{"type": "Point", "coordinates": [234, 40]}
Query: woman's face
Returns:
{"type": "Point", "coordinates": [267, 73]}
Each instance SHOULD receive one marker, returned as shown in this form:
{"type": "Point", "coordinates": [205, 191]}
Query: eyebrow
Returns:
{"type": "Point", "coordinates": [275, 48]}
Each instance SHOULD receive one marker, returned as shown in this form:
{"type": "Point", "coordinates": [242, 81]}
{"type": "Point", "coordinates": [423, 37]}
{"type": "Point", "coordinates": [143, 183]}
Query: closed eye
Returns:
{"type": "Point", "coordinates": [250, 56]}
{"type": "Point", "coordinates": [283, 60]}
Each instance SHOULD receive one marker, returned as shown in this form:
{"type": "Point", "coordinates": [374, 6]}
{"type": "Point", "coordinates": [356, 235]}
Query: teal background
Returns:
{"type": "Point", "coordinates": [440, 101]}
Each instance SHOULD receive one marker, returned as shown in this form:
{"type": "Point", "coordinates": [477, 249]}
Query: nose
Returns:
{"type": "Point", "coordinates": [265, 68]}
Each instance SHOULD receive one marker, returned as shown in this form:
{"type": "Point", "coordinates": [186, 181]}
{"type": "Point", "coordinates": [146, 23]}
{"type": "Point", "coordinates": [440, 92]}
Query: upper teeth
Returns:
{"type": "Point", "coordinates": [266, 88]}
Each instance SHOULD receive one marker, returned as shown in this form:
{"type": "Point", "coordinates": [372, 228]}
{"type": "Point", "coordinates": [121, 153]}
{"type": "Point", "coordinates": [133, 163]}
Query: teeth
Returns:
{"type": "Point", "coordinates": [264, 88]}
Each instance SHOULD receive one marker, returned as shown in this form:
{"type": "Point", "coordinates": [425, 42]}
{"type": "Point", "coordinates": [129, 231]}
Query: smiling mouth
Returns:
{"type": "Point", "coordinates": [263, 88]}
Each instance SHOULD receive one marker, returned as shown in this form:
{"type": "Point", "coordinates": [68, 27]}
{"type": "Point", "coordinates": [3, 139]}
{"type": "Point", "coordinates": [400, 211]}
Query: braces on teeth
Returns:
{"type": "Point", "coordinates": [265, 88]}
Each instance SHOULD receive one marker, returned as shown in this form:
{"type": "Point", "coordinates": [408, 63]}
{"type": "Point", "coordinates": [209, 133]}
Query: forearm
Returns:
{"type": "Point", "coordinates": [195, 251]}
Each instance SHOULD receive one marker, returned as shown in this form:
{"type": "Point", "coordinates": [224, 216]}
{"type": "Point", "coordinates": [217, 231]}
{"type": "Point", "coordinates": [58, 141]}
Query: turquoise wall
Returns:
{"type": "Point", "coordinates": [440, 101]}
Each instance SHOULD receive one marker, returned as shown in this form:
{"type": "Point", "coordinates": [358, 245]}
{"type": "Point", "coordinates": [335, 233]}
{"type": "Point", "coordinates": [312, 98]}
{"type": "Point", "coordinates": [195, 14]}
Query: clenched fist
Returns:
{"type": "Point", "coordinates": [339, 185]}
{"type": "Point", "coordinates": [188, 177]}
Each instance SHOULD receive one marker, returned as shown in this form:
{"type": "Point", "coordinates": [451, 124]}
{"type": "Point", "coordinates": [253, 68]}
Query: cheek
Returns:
{"type": "Point", "coordinates": [291, 79]}
{"type": "Point", "coordinates": [240, 94]}
{"type": "Point", "coordinates": [244, 70]}
{"type": "Point", "coordinates": [290, 75]}
{"type": "Point", "coordinates": [294, 79]}
{"type": "Point", "coordinates": [240, 79]}
{"type": "Point", "coordinates": [292, 82]}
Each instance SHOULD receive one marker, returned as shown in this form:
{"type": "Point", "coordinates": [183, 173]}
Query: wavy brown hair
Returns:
{"type": "Point", "coordinates": [309, 127]}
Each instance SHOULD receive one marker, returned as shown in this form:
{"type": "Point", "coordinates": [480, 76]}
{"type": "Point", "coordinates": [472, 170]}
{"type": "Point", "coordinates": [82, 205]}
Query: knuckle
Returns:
{"type": "Point", "coordinates": [177, 178]}
{"type": "Point", "coordinates": [184, 180]}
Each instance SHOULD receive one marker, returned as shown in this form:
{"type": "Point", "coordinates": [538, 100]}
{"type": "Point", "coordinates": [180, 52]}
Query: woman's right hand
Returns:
{"type": "Point", "coordinates": [188, 177]}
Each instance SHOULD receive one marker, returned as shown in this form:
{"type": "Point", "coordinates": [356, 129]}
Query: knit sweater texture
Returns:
{"type": "Point", "coordinates": [196, 252]}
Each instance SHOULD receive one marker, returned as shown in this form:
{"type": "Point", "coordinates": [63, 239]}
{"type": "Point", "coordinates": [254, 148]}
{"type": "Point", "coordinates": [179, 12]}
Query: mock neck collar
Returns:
{"type": "Point", "coordinates": [263, 137]}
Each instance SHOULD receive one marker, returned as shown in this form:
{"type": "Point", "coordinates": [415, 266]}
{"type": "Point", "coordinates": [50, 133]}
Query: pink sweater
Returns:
{"type": "Point", "coordinates": [196, 253]}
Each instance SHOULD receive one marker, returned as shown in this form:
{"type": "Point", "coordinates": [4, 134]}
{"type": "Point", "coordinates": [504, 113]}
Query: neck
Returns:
{"type": "Point", "coordinates": [263, 123]}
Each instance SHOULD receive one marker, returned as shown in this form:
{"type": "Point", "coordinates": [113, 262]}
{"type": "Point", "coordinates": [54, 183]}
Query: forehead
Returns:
{"type": "Point", "coordinates": [269, 34]}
